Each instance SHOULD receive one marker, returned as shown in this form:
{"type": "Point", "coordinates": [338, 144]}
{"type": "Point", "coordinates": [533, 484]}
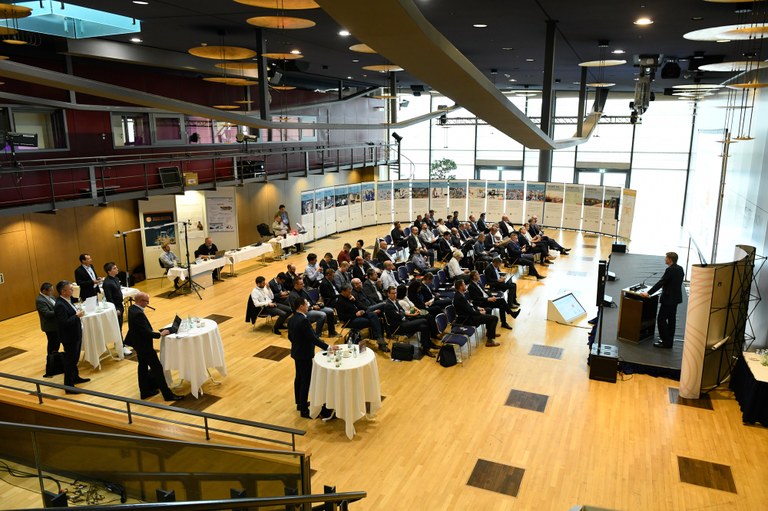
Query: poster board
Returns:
{"type": "Point", "coordinates": [308, 212]}
{"type": "Point", "coordinates": [457, 198]}
{"type": "Point", "coordinates": [320, 230]}
{"type": "Point", "coordinates": [438, 198]}
{"type": "Point", "coordinates": [476, 196]}
{"type": "Point", "coordinates": [341, 201]}
{"type": "Point", "coordinates": [553, 205]}
{"type": "Point", "coordinates": [593, 208]}
{"type": "Point", "coordinates": [160, 236]}
{"type": "Point", "coordinates": [384, 202]}
{"type": "Point", "coordinates": [355, 207]}
{"type": "Point", "coordinates": [494, 201]}
{"type": "Point", "coordinates": [190, 207]}
{"type": "Point", "coordinates": [515, 203]}
{"type": "Point", "coordinates": [330, 211]}
{"type": "Point", "coordinates": [611, 198]}
{"type": "Point", "coordinates": [628, 199]}
{"type": "Point", "coordinates": [220, 213]}
{"type": "Point", "coordinates": [401, 200]}
{"type": "Point", "coordinates": [572, 206]}
{"type": "Point", "coordinates": [419, 197]}
{"type": "Point", "coordinates": [368, 195]}
{"type": "Point", "coordinates": [534, 199]}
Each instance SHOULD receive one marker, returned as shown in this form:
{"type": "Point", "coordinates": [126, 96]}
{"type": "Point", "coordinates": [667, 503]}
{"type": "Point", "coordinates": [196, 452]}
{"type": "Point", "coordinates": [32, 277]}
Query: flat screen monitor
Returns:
{"type": "Point", "coordinates": [170, 177]}
{"type": "Point", "coordinates": [569, 307]}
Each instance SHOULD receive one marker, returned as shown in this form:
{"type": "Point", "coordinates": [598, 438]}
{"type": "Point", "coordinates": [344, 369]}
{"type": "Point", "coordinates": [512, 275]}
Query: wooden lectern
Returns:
{"type": "Point", "coordinates": [637, 315]}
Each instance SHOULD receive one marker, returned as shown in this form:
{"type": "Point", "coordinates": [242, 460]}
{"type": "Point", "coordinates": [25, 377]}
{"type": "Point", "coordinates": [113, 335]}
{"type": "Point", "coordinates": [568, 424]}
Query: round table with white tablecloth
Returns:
{"type": "Point", "coordinates": [99, 329]}
{"type": "Point", "coordinates": [347, 388]}
{"type": "Point", "coordinates": [191, 352]}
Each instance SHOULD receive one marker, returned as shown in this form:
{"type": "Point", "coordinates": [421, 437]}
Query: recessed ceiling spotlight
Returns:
{"type": "Point", "coordinates": [697, 18]}
{"type": "Point", "coordinates": [512, 80]}
{"type": "Point", "coordinates": [349, 77]}
{"type": "Point", "coordinates": [480, 25]}
{"type": "Point", "coordinates": [618, 52]}
{"type": "Point", "coordinates": [643, 21]}
{"type": "Point", "coordinates": [530, 60]}
{"type": "Point", "coordinates": [295, 52]}
{"type": "Point", "coordinates": [723, 40]}
{"type": "Point", "coordinates": [136, 40]}
{"type": "Point", "coordinates": [140, 2]}
{"type": "Point", "coordinates": [507, 48]}
{"type": "Point", "coordinates": [345, 33]}
{"type": "Point", "coordinates": [355, 60]}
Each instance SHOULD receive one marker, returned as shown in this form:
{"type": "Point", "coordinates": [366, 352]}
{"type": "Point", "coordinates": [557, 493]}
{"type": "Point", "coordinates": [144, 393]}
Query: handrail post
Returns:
{"type": "Point", "coordinates": [128, 409]}
{"type": "Point", "coordinates": [207, 432]}
{"type": "Point", "coordinates": [40, 396]}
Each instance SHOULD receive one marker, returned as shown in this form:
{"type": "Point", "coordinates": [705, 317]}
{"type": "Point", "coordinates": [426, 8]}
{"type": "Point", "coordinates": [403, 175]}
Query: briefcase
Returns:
{"type": "Point", "coordinates": [402, 351]}
{"type": "Point", "coordinates": [54, 364]}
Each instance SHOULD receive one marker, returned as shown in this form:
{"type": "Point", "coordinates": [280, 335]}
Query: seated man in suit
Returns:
{"type": "Point", "coordinates": [398, 236]}
{"type": "Point", "coordinates": [481, 253]}
{"type": "Point", "coordinates": [85, 277]}
{"type": "Point", "coordinates": [264, 300]}
{"type": "Point", "coordinates": [506, 227]}
{"type": "Point", "coordinates": [329, 292]}
{"type": "Point", "coordinates": [303, 341]}
{"type": "Point", "coordinates": [429, 219]}
{"type": "Point", "coordinates": [444, 247]}
{"type": "Point", "coordinates": [140, 335]}
{"type": "Point", "coordinates": [481, 225]}
{"type": "Point", "coordinates": [382, 255]}
{"type": "Point", "coordinates": [359, 271]}
{"type": "Point", "coordinates": [279, 289]}
{"type": "Point", "coordinates": [481, 298]}
{"type": "Point", "coordinates": [429, 293]}
{"type": "Point", "coordinates": [499, 282]}
{"type": "Point", "coordinates": [414, 243]}
{"type": "Point", "coordinates": [358, 250]}
{"type": "Point", "coordinates": [328, 262]}
{"type": "Point", "coordinates": [535, 230]}
{"type": "Point", "coordinates": [168, 259]}
{"type": "Point", "coordinates": [421, 264]}
{"type": "Point", "coordinates": [532, 246]}
{"type": "Point", "coordinates": [313, 273]}
{"type": "Point", "coordinates": [427, 237]}
{"type": "Point", "coordinates": [472, 226]}
{"type": "Point", "coordinates": [397, 323]}
{"type": "Point", "coordinates": [341, 276]}
{"type": "Point", "coordinates": [317, 312]}
{"type": "Point", "coordinates": [372, 287]}
{"type": "Point", "coordinates": [358, 292]}
{"type": "Point", "coordinates": [389, 276]}
{"type": "Point", "coordinates": [208, 251]}
{"type": "Point", "coordinates": [467, 314]}
{"type": "Point", "coordinates": [354, 315]}
{"type": "Point", "coordinates": [517, 256]}
{"type": "Point", "coordinates": [291, 276]}
{"type": "Point", "coordinates": [70, 333]}
{"type": "Point", "coordinates": [44, 304]}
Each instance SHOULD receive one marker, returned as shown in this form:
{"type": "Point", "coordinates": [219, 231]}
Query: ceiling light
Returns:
{"type": "Point", "coordinates": [349, 77]}
{"type": "Point", "coordinates": [512, 80]}
{"type": "Point", "coordinates": [345, 33]}
{"type": "Point", "coordinates": [355, 60]}
{"type": "Point", "coordinates": [136, 40]}
{"type": "Point", "coordinates": [530, 60]}
{"type": "Point", "coordinates": [618, 52]}
{"type": "Point", "coordinates": [643, 21]}
{"type": "Point", "coordinates": [723, 40]}
{"type": "Point", "coordinates": [506, 48]}
{"type": "Point", "coordinates": [697, 18]}
{"type": "Point", "coordinates": [480, 25]}
{"type": "Point", "coordinates": [295, 52]}
{"type": "Point", "coordinates": [140, 2]}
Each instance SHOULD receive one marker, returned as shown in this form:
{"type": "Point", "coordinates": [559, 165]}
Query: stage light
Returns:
{"type": "Point", "coordinates": [397, 137]}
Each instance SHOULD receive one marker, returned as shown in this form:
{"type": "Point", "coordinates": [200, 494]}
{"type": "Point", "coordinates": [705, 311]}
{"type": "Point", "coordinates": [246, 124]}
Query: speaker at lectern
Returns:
{"type": "Point", "coordinates": [565, 309]}
{"type": "Point", "coordinates": [637, 314]}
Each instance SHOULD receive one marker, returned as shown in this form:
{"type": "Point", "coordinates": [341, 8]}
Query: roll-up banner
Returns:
{"type": "Point", "coordinates": [330, 212]}
{"type": "Point", "coordinates": [341, 199]}
{"type": "Point", "coordinates": [308, 212]}
{"type": "Point", "coordinates": [457, 198]}
{"type": "Point", "coordinates": [476, 194]}
{"type": "Point", "coordinates": [515, 201]}
{"type": "Point", "coordinates": [320, 230]}
{"type": "Point", "coordinates": [355, 207]}
{"type": "Point", "coordinates": [438, 198]}
{"type": "Point", "coordinates": [610, 203]}
{"type": "Point", "coordinates": [419, 198]}
{"type": "Point", "coordinates": [534, 200]}
{"type": "Point", "coordinates": [574, 203]}
{"type": "Point", "coordinates": [553, 205]}
{"type": "Point", "coordinates": [593, 208]}
{"type": "Point", "coordinates": [368, 196]}
{"type": "Point", "coordinates": [384, 202]}
{"type": "Point", "coordinates": [401, 200]}
{"type": "Point", "coordinates": [627, 212]}
{"type": "Point", "coordinates": [494, 202]}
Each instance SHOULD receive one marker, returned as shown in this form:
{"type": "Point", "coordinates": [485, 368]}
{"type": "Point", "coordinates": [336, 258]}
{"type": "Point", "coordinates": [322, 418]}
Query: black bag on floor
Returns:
{"type": "Point", "coordinates": [446, 357]}
{"type": "Point", "coordinates": [54, 364]}
{"type": "Point", "coordinates": [402, 351]}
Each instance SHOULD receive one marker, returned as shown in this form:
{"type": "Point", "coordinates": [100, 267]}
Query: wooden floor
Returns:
{"type": "Point", "coordinates": [559, 440]}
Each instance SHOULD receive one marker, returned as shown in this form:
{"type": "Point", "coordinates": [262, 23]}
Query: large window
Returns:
{"type": "Point", "coordinates": [47, 124]}
{"type": "Point", "coordinates": [131, 130]}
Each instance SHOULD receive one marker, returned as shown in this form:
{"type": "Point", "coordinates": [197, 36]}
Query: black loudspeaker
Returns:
{"type": "Point", "coordinates": [165, 496]}
{"type": "Point", "coordinates": [670, 71]}
{"type": "Point", "coordinates": [602, 275]}
{"type": "Point", "coordinates": [619, 247]}
{"type": "Point", "coordinates": [55, 499]}
{"type": "Point", "coordinates": [616, 209]}
{"type": "Point", "coordinates": [604, 364]}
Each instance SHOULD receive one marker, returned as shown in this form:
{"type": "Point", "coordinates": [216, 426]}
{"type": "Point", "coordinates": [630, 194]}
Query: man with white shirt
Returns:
{"type": "Point", "coordinates": [168, 259]}
{"type": "Point", "coordinates": [70, 333]}
{"type": "Point", "coordinates": [263, 299]}
{"type": "Point", "coordinates": [441, 227]}
{"type": "Point", "coordinates": [506, 227]}
{"type": "Point", "coordinates": [85, 277]}
{"type": "Point", "coordinates": [313, 273]}
{"type": "Point", "coordinates": [388, 277]}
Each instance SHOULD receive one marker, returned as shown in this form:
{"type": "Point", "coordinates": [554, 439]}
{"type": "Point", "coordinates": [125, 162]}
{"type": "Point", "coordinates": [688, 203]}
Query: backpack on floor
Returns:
{"type": "Point", "coordinates": [54, 364]}
{"type": "Point", "coordinates": [446, 357]}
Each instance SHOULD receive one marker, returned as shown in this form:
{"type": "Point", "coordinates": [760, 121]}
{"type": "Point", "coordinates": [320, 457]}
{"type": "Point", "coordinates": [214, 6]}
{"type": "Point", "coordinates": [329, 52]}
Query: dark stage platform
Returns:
{"type": "Point", "coordinates": [631, 269]}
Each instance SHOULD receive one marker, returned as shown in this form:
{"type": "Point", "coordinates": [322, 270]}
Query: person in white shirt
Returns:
{"type": "Point", "coordinates": [279, 227]}
{"type": "Point", "coordinates": [388, 277]}
{"type": "Point", "coordinates": [313, 273]}
{"type": "Point", "coordinates": [168, 259]}
{"type": "Point", "coordinates": [263, 299]}
{"type": "Point", "coordinates": [441, 226]}
{"type": "Point", "coordinates": [454, 268]}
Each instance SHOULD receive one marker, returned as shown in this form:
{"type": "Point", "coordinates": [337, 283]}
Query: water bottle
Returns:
{"type": "Point", "coordinates": [349, 344]}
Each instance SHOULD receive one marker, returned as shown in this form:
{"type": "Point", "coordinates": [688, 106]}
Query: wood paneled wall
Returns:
{"type": "Point", "coordinates": [257, 203]}
{"type": "Point", "coordinates": [45, 247]}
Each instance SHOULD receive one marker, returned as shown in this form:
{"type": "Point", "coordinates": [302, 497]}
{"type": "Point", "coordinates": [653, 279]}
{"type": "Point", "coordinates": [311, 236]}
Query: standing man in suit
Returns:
{"type": "Point", "coordinates": [140, 336]}
{"type": "Point", "coordinates": [113, 292]}
{"type": "Point", "coordinates": [70, 333]}
{"type": "Point", "coordinates": [303, 342]}
{"type": "Point", "coordinates": [467, 314]}
{"type": "Point", "coordinates": [671, 284]}
{"type": "Point", "coordinates": [45, 303]}
{"type": "Point", "coordinates": [85, 277]}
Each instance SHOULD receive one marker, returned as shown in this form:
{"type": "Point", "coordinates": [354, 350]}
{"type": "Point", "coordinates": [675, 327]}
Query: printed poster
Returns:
{"type": "Point", "coordinates": [320, 231]}
{"type": "Point", "coordinates": [330, 211]}
{"type": "Point", "coordinates": [355, 207]}
{"type": "Point", "coordinates": [476, 193]}
{"type": "Point", "coordinates": [384, 202]}
{"type": "Point", "coordinates": [401, 200]}
{"type": "Point", "coordinates": [341, 200]}
{"type": "Point", "coordinates": [574, 203]}
{"type": "Point", "coordinates": [593, 208]}
{"type": "Point", "coordinates": [221, 214]}
{"type": "Point", "coordinates": [553, 205]}
{"type": "Point", "coordinates": [515, 201]}
{"type": "Point", "coordinates": [157, 233]}
{"type": "Point", "coordinates": [368, 193]}
{"type": "Point", "coordinates": [494, 201]}
{"type": "Point", "coordinates": [308, 212]}
{"type": "Point", "coordinates": [610, 204]}
{"type": "Point", "coordinates": [457, 198]}
{"type": "Point", "coordinates": [419, 197]}
{"type": "Point", "coordinates": [438, 198]}
{"type": "Point", "coordinates": [534, 200]}
{"type": "Point", "coordinates": [628, 200]}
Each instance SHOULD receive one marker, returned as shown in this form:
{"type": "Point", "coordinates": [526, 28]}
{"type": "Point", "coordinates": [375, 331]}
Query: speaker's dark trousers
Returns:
{"type": "Point", "coordinates": [666, 321]}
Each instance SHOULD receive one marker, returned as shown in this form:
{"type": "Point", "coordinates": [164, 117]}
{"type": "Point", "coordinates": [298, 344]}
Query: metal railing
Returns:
{"type": "Point", "coordinates": [130, 412]}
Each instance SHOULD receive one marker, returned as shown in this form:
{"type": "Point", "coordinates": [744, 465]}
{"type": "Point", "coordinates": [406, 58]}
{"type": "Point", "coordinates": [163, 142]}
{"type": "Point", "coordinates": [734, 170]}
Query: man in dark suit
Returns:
{"type": "Point", "coordinates": [113, 293]}
{"type": "Point", "coordinates": [481, 298]}
{"type": "Point", "coordinates": [290, 277]}
{"type": "Point", "coordinates": [516, 256]}
{"type": "Point", "coordinates": [354, 314]}
{"type": "Point", "coordinates": [397, 323]}
{"type": "Point", "coordinates": [429, 219]}
{"type": "Point", "coordinates": [398, 236]}
{"type": "Point", "coordinates": [382, 255]}
{"type": "Point", "coordinates": [45, 303]}
{"type": "Point", "coordinates": [467, 314]}
{"type": "Point", "coordinates": [279, 290]}
{"type": "Point", "coordinates": [70, 333]}
{"type": "Point", "coordinates": [358, 251]}
{"type": "Point", "coordinates": [303, 342]}
{"type": "Point", "coordinates": [208, 251]}
{"type": "Point", "coordinates": [481, 225]}
{"type": "Point", "coordinates": [328, 290]}
{"type": "Point", "coordinates": [358, 292]}
{"type": "Point", "coordinates": [358, 269]}
{"type": "Point", "coordinates": [671, 295]}
{"type": "Point", "coordinates": [414, 243]}
{"type": "Point", "coordinates": [444, 247]}
{"type": "Point", "coordinates": [328, 262]}
{"type": "Point", "coordinates": [499, 282]}
{"type": "Point", "coordinates": [506, 227]}
{"type": "Point", "coordinates": [140, 335]}
{"type": "Point", "coordinates": [372, 287]}
{"type": "Point", "coordinates": [317, 313]}
{"type": "Point", "coordinates": [85, 277]}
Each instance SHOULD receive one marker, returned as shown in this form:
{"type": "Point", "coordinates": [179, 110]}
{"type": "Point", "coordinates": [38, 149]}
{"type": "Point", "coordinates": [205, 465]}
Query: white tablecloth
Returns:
{"type": "Point", "coordinates": [247, 253]}
{"type": "Point", "coordinates": [197, 268]}
{"type": "Point", "coordinates": [290, 240]}
{"type": "Point", "coordinates": [99, 329]}
{"type": "Point", "coordinates": [129, 292]}
{"type": "Point", "coordinates": [192, 353]}
{"type": "Point", "coordinates": [346, 389]}
{"type": "Point", "coordinates": [759, 371]}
